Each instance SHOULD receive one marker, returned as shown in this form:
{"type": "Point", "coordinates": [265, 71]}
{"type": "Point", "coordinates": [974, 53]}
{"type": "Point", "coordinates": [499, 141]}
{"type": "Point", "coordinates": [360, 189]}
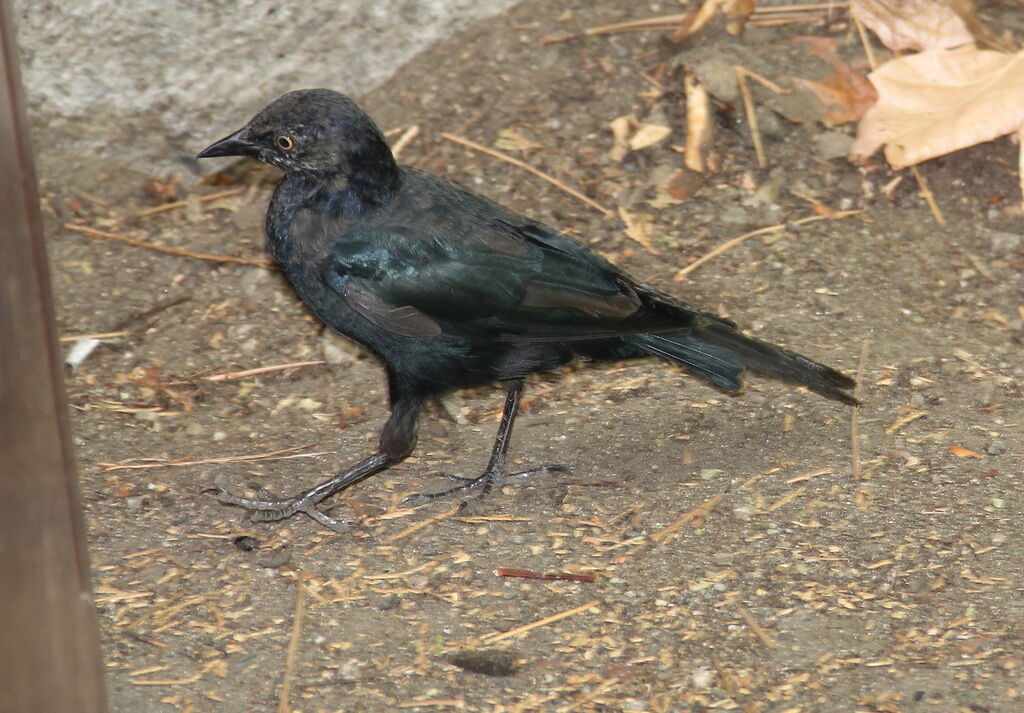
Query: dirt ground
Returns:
{"type": "Point", "coordinates": [741, 559]}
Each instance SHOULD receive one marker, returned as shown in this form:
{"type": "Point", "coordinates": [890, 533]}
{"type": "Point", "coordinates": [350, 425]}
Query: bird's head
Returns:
{"type": "Point", "coordinates": [317, 133]}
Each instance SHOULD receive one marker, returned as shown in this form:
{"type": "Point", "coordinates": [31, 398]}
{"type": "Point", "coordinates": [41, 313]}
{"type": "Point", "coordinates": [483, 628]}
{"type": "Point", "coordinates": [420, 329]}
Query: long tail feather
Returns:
{"type": "Point", "coordinates": [719, 353]}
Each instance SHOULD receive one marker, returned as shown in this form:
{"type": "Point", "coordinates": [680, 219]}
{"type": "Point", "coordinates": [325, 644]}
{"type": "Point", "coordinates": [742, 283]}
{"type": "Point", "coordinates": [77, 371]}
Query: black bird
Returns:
{"type": "Point", "coordinates": [452, 290]}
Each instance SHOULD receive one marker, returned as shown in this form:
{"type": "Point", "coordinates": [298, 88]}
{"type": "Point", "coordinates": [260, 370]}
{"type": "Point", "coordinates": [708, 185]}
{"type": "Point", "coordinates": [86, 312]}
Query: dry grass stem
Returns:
{"type": "Point", "coordinates": [748, 107]}
{"type": "Point", "coordinates": [416, 527]}
{"type": "Point", "coordinates": [405, 139]}
{"type": "Point", "coordinates": [729, 244]}
{"type": "Point", "coordinates": [527, 167]}
{"type": "Point", "coordinates": [1020, 161]}
{"type": "Point", "coordinates": [855, 414]}
{"type": "Point", "coordinates": [865, 42]}
{"type": "Point", "coordinates": [102, 234]}
{"type": "Point", "coordinates": [181, 204]}
{"type": "Point", "coordinates": [759, 632]}
{"type": "Point", "coordinates": [170, 681]}
{"type": "Point", "coordinates": [670, 22]}
{"type": "Point", "coordinates": [282, 454]}
{"type": "Point", "coordinates": [293, 647]}
{"type": "Point", "coordinates": [807, 476]}
{"type": "Point", "coordinates": [231, 375]}
{"type": "Point", "coordinates": [763, 81]}
{"type": "Point", "coordinates": [903, 421]}
{"type": "Point", "coordinates": [669, 531]}
{"type": "Point", "coordinates": [928, 196]}
{"type": "Point", "coordinates": [434, 703]}
{"type": "Point", "coordinates": [651, 23]}
{"type": "Point", "coordinates": [94, 335]}
{"type": "Point", "coordinates": [530, 574]}
{"type": "Point", "coordinates": [519, 631]}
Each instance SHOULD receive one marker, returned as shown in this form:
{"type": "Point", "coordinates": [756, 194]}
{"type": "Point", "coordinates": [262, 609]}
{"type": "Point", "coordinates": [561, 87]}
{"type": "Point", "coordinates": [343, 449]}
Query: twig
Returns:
{"type": "Point", "coordinates": [855, 415]}
{"type": "Point", "coordinates": [728, 684]}
{"type": "Point", "coordinates": [666, 22]}
{"type": "Point", "coordinates": [527, 167]}
{"type": "Point", "coordinates": [232, 375]}
{"type": "Point", "coordinates": [1020, 161]}
{"type": "Point", "coordinates": [748, 107]}
{"type": "Point", "coordinates": [807, 476]}
{"type": "Point", "coordinates": [648, 23]}
{"type": "Point", "coordinates": [763, 81]}
{"type": "Point", "coordinates": [405, 139]}
{"type": "Point", "coordinates": [530, 574]}
{"type": "Point", "coordinates": [929, 198]}
{"type": "Point", "coordinates": [670, 529]}
{"type": "Point", "coordinates": [598, 690]}
{"type": "Point", "coordinates": [293, 647]}
{"type": "Point", "coordinates": [282, 454]}
{"type": "Point", "coordinates": [760, 633]}
{"type": "Point", "coordinates": [807, 7]}
{"type": "Point", "coordinates": [520, 630]}
{"type": "Point", "coordinates": [94, 335]}
{"type": "Point", "coordinates": [865, 42]}
{"type": "Point", "coordinates": [729, 244]}
{"type": "Point", "coordinates": [181, 204]}
{"type": "Point", "coordinates": [421, 524]}
{"type": "Point", "coordinates": [93, 233]}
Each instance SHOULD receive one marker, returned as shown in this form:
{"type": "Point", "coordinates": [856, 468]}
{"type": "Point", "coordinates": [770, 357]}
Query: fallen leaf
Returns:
{"type": "Point", "coordinates": [939, 101]}
{"type": "Point", "coordinates": [961, 452]}
{"type": "Point", "coordinates": [555, 38]}
{"type": "Point", "coordinates": [699, 125]}
{"type": "Point", "coordinates": [735, 14]}
{"type": "Point", "coordinates": [844, 95]}
{"type": "Point", "coordinates": [620, 127]}
{"type": "Point", "coordinates": [638, 228]}
{"type": "Point", "coordinates": [684, 184]}
{"type": "Point", "coordinates": [912, 24]}
{"type": "Point", "coordinates": [648, 135]}
{"type": "Point", "coordinates": [968, 12]}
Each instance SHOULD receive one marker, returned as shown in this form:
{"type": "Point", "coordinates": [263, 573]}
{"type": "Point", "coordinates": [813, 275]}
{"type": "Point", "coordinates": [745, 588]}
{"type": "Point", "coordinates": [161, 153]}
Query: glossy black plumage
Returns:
{"type": "Point", "coordinates": [452, 290]}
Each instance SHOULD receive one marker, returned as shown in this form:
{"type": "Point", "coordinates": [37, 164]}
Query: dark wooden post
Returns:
{"type": "Point", "coordinates": [49, 641]}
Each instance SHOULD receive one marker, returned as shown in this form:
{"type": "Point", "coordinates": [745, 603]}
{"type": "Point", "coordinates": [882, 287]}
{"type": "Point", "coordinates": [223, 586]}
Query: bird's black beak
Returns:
{"type": "Point", "coordinates": [234, 145]}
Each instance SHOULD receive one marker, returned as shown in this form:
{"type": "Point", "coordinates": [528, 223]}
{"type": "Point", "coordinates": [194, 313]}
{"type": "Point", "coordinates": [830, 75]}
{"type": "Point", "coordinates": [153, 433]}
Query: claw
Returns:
{"type": "Point", "coordinates": [266, 508]}
{"type": "Point", "coordinates": [484, 482]}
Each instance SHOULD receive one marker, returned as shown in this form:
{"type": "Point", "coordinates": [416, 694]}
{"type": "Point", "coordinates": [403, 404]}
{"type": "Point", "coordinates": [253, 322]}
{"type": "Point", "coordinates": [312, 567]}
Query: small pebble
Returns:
{"type": "Point", "coordinates": [834, 144]}
{"type": "Point", "coordinates": [702, 679]}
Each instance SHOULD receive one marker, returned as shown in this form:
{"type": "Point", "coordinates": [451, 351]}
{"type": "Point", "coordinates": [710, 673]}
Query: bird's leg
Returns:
{"type": "Point", "coordinates": [397, 439]}
{"type": "Point", "coordinates": [495, 473]}
{"type": "Point", "coordinates": [268, 509]}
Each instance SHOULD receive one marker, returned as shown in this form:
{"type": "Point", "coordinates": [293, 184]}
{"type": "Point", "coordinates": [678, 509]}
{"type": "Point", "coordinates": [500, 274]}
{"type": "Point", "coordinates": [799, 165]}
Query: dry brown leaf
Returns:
{"type": "Point", "coordinates": [620, 127]}
{"type": "Point", "coordinates": [638, 228]}
{"type": "Point", "coordinates": [845, 95]}
{"type": "Point", "coordinates": [968, 12]}
{"type": "Point", "coordinates": [913, 24]}
{"type": "Point", "coordinates": [685, 184]}
{"type": "Point", "coordinates": [699, 124]}
{"type": "Point", "coordinates": [961, 452]}
{"type": "Point", "coordinates": [734, 13]}
{"type": "Point", "coordinates": [939, 101]}
{"type": "Point", "coordinates": [648, 135]}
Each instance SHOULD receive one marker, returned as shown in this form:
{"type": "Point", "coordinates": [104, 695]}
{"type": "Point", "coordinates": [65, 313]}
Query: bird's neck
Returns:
{"type": "Point", "coordinates": [374, 175]}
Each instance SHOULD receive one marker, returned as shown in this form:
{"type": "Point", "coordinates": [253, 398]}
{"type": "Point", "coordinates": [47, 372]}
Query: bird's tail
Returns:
{"type": "Point", "coordinates": [716, 351]}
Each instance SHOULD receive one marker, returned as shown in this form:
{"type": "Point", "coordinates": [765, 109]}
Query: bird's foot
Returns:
{"type": "Point", "coordinates": [267, 508]}
{"type": "Point", "coordinates": [482, 483]}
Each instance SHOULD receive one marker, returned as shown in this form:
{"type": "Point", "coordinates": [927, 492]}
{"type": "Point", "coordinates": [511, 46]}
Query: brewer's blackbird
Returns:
{"type": "Point", "coordinates": [452, 290]}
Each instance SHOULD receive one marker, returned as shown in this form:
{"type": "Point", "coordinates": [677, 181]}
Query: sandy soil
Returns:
{"type": "Point", "coordinates": [742, 560]}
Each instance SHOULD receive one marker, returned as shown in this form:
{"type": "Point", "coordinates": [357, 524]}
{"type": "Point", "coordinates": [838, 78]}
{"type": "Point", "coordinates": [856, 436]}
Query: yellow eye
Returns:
{"type": "Point", "coordinates": [285, 143]}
